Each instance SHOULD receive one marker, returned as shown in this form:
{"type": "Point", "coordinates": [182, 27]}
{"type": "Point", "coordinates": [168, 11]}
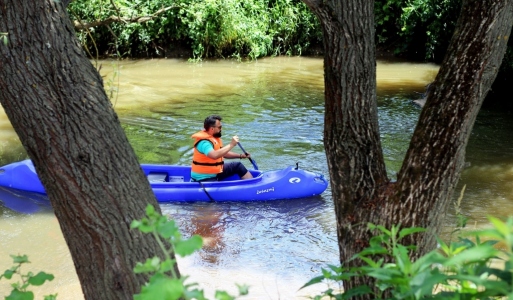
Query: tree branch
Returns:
{"type": "Point", "coordinates": [79, 25]}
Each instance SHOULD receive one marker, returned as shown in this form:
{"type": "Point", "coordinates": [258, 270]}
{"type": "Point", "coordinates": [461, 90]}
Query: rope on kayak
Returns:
{"type": "Point", "coordinates": [205, 190]}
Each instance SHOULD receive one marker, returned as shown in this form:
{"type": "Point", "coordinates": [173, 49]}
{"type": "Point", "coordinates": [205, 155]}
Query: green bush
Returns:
{"type": "Point", "coordinates": [466, 269]}
{"type": "Point", "coordinates": [418, 29]}
{"type": "Point", "coordinates": [415, 29]}
{"type": "Point", "coordinates": [210, 28]}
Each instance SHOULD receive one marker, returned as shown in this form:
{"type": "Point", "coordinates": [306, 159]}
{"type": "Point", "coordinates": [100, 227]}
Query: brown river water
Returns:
{"type": "Point", "coordinates": [276, 107]}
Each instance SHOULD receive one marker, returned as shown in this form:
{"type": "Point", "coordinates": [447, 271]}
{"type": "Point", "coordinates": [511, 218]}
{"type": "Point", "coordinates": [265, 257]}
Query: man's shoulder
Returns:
{"type": "Point", "coordinates": [204, 142]}
{"type": "Point", "coordinates": [204, 146]}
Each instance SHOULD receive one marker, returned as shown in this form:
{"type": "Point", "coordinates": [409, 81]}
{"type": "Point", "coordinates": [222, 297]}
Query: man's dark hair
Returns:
{"type": "Point", "coordinates": [210, 121]}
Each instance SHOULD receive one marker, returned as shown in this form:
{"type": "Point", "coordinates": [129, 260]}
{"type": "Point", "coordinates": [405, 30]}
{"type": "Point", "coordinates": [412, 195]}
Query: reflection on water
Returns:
{"type": "Point", "coordinates": [275, 106]}
{"type": "Point", "coordinates": [259, 244]}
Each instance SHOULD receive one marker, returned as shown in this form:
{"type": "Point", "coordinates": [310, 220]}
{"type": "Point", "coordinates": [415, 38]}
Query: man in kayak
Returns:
{"type": "Point", "coordinates": [208, 157]}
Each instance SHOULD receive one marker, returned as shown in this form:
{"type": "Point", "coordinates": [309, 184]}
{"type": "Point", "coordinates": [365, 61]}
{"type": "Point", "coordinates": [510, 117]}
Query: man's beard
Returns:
{"type": "Point", "coordinates": [217, 135]}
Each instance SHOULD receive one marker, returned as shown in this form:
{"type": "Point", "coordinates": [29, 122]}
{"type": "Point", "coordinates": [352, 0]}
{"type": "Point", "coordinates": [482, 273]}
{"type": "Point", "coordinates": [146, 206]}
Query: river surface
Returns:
{"type": "Point", "coordinates": [276, 107]}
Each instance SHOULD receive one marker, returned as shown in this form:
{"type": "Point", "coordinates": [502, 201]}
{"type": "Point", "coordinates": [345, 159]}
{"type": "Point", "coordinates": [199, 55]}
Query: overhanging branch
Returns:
{"type": "Point", "coordinates": [79, 25]}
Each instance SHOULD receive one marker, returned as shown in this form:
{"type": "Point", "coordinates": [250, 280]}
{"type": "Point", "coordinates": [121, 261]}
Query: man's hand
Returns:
{"type": "Point", "coordinates": [234, 141]}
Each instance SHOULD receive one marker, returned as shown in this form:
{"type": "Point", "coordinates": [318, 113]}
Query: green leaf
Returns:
{"type": "Point", "coordinates": [372, 251]}
{"type": "Point", "coordinates": [422, 284]}
{"type": "Point", "coordinates": [143, 226]}
{"type": "Point", "coordinates": [150, 265]}
{"type": "Point", "coordinates": [135, 224]}
{"type": "Point", "coordinates": [326, 273]}
{"type": "Point", "coordinates": [19, 295]}
{"type": "Point", "coordinates": [313, 281]}
{"type": "Point", "coordinates": [502, 275]}
{"type": "Point", "coordinates": [501, 226]}
{"type": "Point", "coordinates": [222, 295]}
{"type": "Point", "coordinates": [40, 278]}
{"type": "Point", "coordinates": [372, 263]}
{"type": "Point", "coordinates": [168, 229]}
{"type": "Point", "coordinates": [402, 259]}
{"type": "Point", "coordinates": [167, 265]}
{"type": "Point", "coordinates": [376, 242]}
{"type": "Point", "coordinates": [8, 274]}
{"type": "Point", "coordinates": [407, 231]}
{"type": "Point", "coordinates": [150, 210]}
{"type": "Point", "coordinates": [468, 242]}
{"type": "Point", "coordinates": [187, 247]}
{"type": "Point", "coordinates": [20, 259]}
{"type": "Point", "coordinates": [427, 261]}
{"type": "Point", "coordinates": [336, 269]}
{"type": "Point", "coordinates": [490, 242]}
{"type": "Point", "coordinates": [385, 274]}
{"type": "Point", "coordinates": [161, 287]}
{"type": "Point", "coordinates": [243, 289]}
{"type": "Point", "coordinates": [357, 291]}
{"type": "Point", "coordinates": [384, 230]}
{"type": "Point", "coordinates": [482, 252]}
{"type": "Point", "coordinates": [194, 294]}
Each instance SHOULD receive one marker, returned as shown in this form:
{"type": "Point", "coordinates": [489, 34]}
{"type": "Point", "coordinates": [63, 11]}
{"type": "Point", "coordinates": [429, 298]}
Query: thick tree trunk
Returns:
{"type": "Point", "coordinates": [435, 158]}
{"type": "Point", "coordinates": [361, 190]}
{"type": "Point", "coordinates": [55, 101]}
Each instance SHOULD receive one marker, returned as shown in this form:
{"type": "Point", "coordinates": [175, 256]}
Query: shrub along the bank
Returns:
{"type": "Point", "coordinates": [216, 28]}
{"type": "Point", "coordinates": [418, 30]}
{"type": "Point", "coordinates": [197, 29]}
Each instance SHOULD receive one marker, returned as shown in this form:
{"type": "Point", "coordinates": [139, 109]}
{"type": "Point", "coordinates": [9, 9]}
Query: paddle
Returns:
{"type": "Point", "coordinates": [251, 160]}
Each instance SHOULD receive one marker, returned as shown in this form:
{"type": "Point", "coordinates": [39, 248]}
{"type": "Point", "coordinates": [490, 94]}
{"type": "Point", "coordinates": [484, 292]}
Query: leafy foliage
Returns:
{"type": "Point", "coordinates": [20, 288]}
{"type": "Point", "coordinates": [212, 28]}
{"type": "Point", "coordinates": [416, 27]}
{"type": "Point", "coordinates": [164, 283]}
{"type": "Point", "coordinates": [466, 269]}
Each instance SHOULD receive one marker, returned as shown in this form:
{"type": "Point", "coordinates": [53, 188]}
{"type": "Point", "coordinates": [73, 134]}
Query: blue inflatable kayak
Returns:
{"type": "Point", "coordinates": [172, 183]}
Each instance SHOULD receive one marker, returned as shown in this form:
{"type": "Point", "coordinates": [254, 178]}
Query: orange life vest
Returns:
{"type": "Point", "coordinates": [202, 163]}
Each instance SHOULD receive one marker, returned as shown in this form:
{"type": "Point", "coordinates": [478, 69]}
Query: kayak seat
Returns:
{"type": "Point", "coordinates": [157, 177]}
{"type": "Point", "coordinates": [163, 177]}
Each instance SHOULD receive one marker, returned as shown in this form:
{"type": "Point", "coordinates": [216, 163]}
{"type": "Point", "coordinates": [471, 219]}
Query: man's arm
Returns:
{"type": "Point", "coordinates": [223, 152]}
{"type": "Point", "coordinates": [231, 154]}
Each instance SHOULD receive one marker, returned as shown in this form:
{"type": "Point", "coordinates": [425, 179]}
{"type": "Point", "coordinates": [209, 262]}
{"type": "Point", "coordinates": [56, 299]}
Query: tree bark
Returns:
{"type": "Point", "coordinates": [56, 103]}
{"type": "Point", "coordinates": [435, 158]}
{"type": "Point", "coordinates": [361, 190]}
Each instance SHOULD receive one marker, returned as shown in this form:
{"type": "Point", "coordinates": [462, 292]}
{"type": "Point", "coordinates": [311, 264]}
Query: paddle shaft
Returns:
{"type": "Point", "coordinates": [250, 159]}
